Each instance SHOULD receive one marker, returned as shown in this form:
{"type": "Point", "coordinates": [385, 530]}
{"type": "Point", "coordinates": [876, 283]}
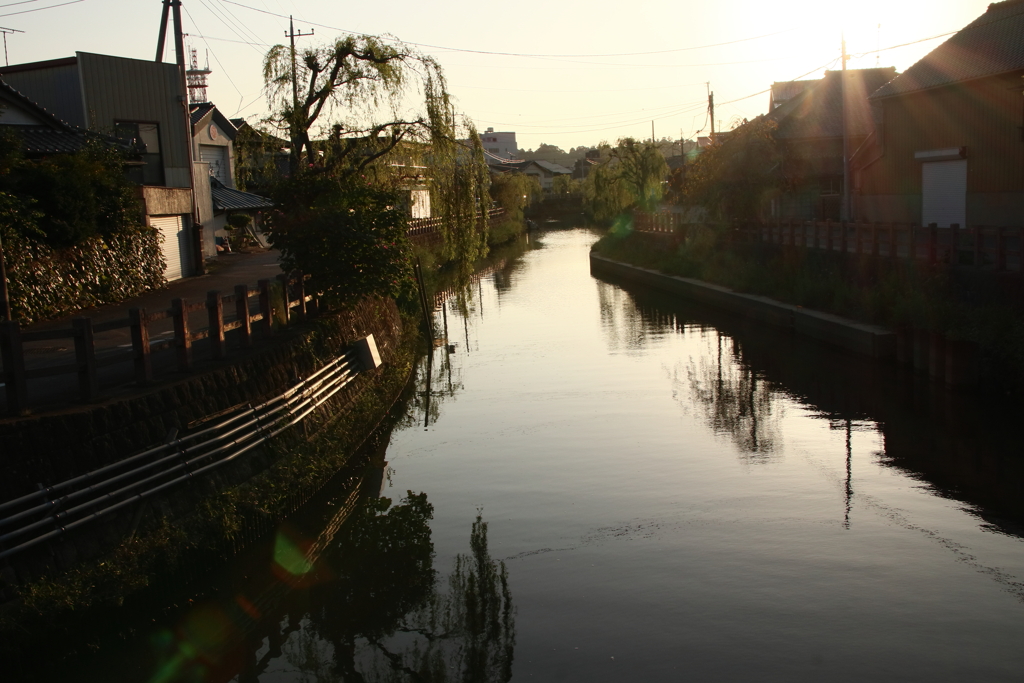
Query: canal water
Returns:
{"type": "Point", "coordinates": [594, 482]}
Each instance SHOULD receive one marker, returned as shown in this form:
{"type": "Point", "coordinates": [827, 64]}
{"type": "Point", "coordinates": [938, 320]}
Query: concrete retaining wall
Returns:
{"type": "Point", "coordinates": [860, 338]}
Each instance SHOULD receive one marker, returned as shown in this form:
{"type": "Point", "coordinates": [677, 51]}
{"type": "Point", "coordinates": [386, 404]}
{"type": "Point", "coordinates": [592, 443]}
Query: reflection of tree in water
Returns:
{"type": "Point", "coordinates": [385, 617]}
{"type": "Point", "coordinates": [734, 400]}
{"type": "Point", "coordinates": [621, 320]}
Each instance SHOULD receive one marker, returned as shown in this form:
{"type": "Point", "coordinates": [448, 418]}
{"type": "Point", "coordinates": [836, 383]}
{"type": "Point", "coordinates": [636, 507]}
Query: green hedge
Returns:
{"type": "Point", "coordinates": [45, 283]}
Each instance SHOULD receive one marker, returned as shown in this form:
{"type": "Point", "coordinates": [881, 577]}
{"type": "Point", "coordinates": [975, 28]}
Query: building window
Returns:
{"type": "Point", "coordinates": [145, 141]}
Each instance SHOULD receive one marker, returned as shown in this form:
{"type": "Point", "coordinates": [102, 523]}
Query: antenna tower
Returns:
{"type": "Point", "coordinates": [195, 79]}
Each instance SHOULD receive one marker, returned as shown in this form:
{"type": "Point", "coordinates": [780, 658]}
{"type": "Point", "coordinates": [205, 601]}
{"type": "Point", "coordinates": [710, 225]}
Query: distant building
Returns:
{"type": "Point", "coordinates": [501, 146]}
{"type": "Point", "coordinates": [784, 91]}
{"type": "Point", "coordinates": [543, 171]}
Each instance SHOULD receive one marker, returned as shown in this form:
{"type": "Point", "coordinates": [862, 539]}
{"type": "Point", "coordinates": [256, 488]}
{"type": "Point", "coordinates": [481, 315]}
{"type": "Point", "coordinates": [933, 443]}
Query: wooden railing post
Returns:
{"type": "Point", "coordinates": [954, 244]}
{"type": "Point", "coordinates": [85, 357]}
{"type": "Point", "coordinates": [265, 307]}
{"type": "Point", "coordinates": [283, 279]}
{"type": "Point", "coordinates": [215, 313]}
{"type": "Point", "coordinates": [13, 354]}
{"type": "Point", "coordinates": [182, 339]}
{"type": "Point", "coordinates": [242, 311]}
{"type": "Point", "coordinates": [933, 243]}
{"type": "Point", "coordinates": [978, 238]}
{"type": "Point", "coordinates": [828, 234]}
{"type": "Point", "coordinates": [140, 346]}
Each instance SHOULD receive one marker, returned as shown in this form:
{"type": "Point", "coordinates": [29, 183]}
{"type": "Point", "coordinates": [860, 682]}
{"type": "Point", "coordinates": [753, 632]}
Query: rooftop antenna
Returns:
{"type": "Point", "coordinates": [196, 80]}
{"type": "Point", "coordinates": [5, 31]}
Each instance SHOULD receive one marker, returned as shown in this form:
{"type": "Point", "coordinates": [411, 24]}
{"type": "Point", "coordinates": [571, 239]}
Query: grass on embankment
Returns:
{"type": "Point", "coordinates": [963, 304]}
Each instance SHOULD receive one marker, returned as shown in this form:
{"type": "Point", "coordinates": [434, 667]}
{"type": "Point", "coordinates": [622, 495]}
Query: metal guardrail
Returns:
{"type": "Point", "coordinates": [56, 510]}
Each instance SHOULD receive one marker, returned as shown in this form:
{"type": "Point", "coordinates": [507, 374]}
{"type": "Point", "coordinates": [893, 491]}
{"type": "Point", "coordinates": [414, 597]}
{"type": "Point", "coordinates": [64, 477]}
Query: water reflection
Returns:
{"type": "Point", "coordinates": [959, 446]}
{"type": "Point", "coordinates": [733, 399]}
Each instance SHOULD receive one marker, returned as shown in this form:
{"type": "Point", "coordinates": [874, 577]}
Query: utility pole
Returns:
{"type": "Point", "coordinates": [173, 8]}
{"type": "Point", "coordinates": [844, 207]}
{"type": "Point", "coordinates": [711, 111]}
{"type": "Point", "coordinates": [5, 31]}
{"type": "Point", "coordinates": [652, 132]}
{"type": "Point", "coordinates": [292, 35]}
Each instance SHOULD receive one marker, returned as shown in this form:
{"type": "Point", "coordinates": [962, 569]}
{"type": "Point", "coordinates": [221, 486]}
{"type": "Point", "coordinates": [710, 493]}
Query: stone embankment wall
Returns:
{"type": "Point", "coordinates": [864, 339]}
{"type": "Point", "coordinates": [47, 449]}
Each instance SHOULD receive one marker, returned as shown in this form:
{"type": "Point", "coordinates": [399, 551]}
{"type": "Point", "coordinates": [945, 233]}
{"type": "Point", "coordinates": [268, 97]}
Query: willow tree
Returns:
{"type": "Point", "coordinates": [631, 176]}
{"type": "Point", "coordinates": [346, 105]}
{"type": "Point", "coordinates": [461, 178]}
{"type": "Point", "coordinates": [346, 84]}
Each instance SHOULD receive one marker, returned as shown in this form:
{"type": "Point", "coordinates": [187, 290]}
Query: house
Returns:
{"type": "Point", "coordinates": [213, 137]}
{"type": "Point", "coordinates": [134, 100]}
{"type": "Point", "coordinates": [543, 171]}
{"type": "Point", "coordinates": [784, 91]}
{"type": "Point", "coordinates": [951, 137]}
{"type": "Point", "coordinates": [42, 134]}
{"type": "Point", "coordinates": [810, 131]}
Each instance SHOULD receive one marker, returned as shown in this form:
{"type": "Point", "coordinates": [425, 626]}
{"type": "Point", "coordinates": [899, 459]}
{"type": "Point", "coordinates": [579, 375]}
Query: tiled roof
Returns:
{"type": "Point", "coordinates": [45, 140]}
{"type": "Point", "coordinates": [817, 112]}
{"type": "Point", "coordinates": [50, 135]}
{"type": "Point", "coordinates": [552, 167]}
{"type": "Point", "coordinates": [990, 45]}
{"type": "Point", "coordinates": [198, 111]}
{"type": "Point", "coordinates": [783, 91]}
{"type": "Point", "coordinates": [226, 199]}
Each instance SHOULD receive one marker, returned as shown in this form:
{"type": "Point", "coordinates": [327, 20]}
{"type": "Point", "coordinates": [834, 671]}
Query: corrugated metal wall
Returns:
{"type": "Point", "coordinates": [135, 90]}
{"type": "Point", "coordinates": [56, 88]}
{"type": "Point", "coordinates": [985, 116]}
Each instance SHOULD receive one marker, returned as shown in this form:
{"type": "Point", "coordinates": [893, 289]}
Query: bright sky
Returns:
{"type": "Point", "coordinates": [577, 71]}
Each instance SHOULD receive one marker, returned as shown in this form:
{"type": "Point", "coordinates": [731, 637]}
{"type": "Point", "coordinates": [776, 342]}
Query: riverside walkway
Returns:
{"type": "Point", "coordinates": [60, 392]}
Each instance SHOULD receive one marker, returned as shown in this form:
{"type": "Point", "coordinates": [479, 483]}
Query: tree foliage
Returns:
{"type": "Point", "coordinates": [66, 199]}
{"type": "Point", "coordinates": [349, 237]}
{"type": "Point", "coordinates": [349, 123]}
{"type": "Point", "coordinates": [735, 177]}
{"type": "Point", "coordinates": [630, 175]}
{"type": "Point", "coordinates": [348, 83]}
{"type": "Point", "coordinates": [514, 191]}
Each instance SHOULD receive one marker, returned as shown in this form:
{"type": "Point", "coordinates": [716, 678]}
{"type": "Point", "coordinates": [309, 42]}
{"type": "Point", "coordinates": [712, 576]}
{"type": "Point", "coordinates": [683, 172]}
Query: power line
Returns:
{"type": "Point", "coordinates": [591, 90]}
{"type": "Point", "coordinates": [229, 40]}
{"type": "Point", "coordinates": [524, 54]}
{"type": "Point", "coordinates": [227, 74]}
{"type": "Point", "coordinates": [40, 9]}
{"type": "Point", "coordinates": [23, 2]}
{"type": "Point", "coordinates": [245, 39]}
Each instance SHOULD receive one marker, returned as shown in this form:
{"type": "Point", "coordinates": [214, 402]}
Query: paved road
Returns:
{"type": "Point", "coordinates": [117, 379]}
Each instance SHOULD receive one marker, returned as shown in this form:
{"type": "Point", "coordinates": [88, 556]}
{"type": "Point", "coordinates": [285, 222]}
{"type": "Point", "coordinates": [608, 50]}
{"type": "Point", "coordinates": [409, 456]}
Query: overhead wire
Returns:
{"type": "Point", "coordinates": [244, 38]}
{"type": "Point", "coordinates": [40, 9]}
{"type": "Point", "coordinates": [227, 73]}
{"type": "Point", "coordinates": [522, 54]}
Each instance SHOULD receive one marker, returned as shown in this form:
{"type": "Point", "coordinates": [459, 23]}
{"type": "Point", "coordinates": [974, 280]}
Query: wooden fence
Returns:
{"type": "Point", "coordinates": [421, 227]}
{"type": "Point", "coordinates": [998, 249]}
{"type": "Point", "coordinates": [83, 330]}
{"type": "Point", "coordinates": [990, 248]}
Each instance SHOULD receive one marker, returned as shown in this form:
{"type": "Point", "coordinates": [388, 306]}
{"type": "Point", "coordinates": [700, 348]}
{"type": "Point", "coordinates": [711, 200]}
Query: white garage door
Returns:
{"type": "Point", "coordinates": [944, 193]}
{"type": "Point", "coordinates": [217, 157]}
{"type": "Point", "coordinates": [172, 244]}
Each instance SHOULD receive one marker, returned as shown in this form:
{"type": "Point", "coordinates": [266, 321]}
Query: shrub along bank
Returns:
{"type": "Point", "coordinates": [961, 304]}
